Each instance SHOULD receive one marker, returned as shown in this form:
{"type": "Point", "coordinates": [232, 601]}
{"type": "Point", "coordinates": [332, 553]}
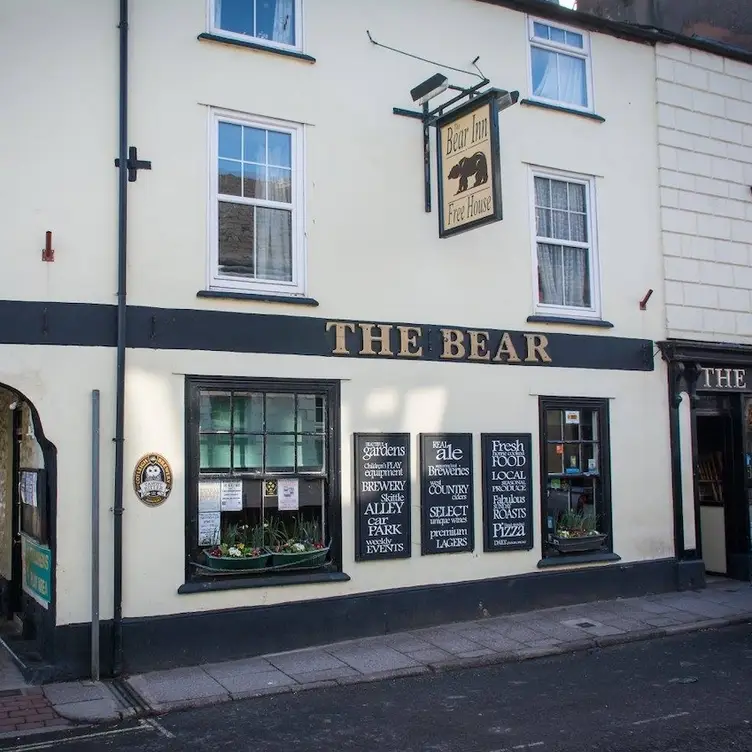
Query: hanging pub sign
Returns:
{"type": "Point", "coordinates": [469, 165]}
{"type": "Point", "coordinates": [382, 496]}
{"type": "Point", "coordinates": [507, 491]}
{"type": "Point", "coordinates": [446, 493]}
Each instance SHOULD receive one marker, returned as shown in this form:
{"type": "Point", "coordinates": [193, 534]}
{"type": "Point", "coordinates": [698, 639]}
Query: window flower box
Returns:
{"type": "Point", "coordinates": [236, 558]}
{"type": "Point", "coordinates": [578, 544]}
{"type": "Point", "coordinates": [295, 553]}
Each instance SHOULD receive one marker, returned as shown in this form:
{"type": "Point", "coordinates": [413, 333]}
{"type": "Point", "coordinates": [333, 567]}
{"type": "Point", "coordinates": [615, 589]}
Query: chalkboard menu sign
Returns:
{"type": "Point", "coordinates": [507, 491]}
{"type": "Point", "coordinates": [382, 496]}
{"type": "Point", "coordinates": [446, 493]}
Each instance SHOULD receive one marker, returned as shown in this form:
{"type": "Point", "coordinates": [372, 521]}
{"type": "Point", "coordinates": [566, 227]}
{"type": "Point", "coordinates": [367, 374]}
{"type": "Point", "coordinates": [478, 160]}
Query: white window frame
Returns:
{"type": "Point", "coordinates": [220, 32]}
{"type": "Point", "coordinates": [584, 54]}
{"type": "Point", "coordinates": [546, 309]}
{"type": "Point", "coordinates": [217, 281]}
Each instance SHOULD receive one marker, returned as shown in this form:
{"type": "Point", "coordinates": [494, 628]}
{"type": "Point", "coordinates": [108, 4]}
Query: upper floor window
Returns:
{"type": "Point", "coordinates": [560, 65]}
{"type": "Point", "coordinates": [564, 251]}
{"type": "Point", "coordinates": [272, 22]}
{"type": "Point", "coordinates": [257, 237]}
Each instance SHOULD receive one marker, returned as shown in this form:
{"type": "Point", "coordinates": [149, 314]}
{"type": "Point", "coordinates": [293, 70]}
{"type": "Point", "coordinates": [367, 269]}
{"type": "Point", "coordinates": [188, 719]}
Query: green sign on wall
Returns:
{"type": "Point", "coordinates": [36, 562]}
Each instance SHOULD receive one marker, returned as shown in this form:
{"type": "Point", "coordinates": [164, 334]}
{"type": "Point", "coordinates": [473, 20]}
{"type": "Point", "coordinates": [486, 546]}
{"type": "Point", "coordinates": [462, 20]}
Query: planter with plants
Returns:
{"type": "Point", "coordinates": [577, 533]}
{"type": "Point", "coordinates": [301, 546]}
{"type": "Point", "coordinates": [241, 548]}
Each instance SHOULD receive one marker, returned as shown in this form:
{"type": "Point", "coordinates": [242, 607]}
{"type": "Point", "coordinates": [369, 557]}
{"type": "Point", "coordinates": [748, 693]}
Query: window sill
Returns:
{"type": "Point", "coordinates": [561, 561]}
{"type": "Point", "coordinates": [256, 46]}
{"type": "Point", "coordinates": [243, 583]}
{"type": "Point", "coordinates": [569, 320]}
{"type": "Point", "coordinates": [562, 108]}
{"type": "Point", "coordinates": [230, 295]}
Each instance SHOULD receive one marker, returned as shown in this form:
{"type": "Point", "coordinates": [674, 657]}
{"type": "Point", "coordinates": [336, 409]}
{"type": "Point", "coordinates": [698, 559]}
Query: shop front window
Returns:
{"type": "Point", "coordinates": [260, 497]}
{"type": "Point", "coordinates": [576, 510]}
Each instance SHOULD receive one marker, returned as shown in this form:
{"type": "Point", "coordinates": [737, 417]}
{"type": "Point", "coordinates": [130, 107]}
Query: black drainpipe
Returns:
{"type": "Point", "coordinates": [117, 586]}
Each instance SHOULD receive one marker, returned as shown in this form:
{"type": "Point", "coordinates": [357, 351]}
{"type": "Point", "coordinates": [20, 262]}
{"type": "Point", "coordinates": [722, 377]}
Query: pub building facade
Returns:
{"type": "Point", "coordinates": [317, 382]}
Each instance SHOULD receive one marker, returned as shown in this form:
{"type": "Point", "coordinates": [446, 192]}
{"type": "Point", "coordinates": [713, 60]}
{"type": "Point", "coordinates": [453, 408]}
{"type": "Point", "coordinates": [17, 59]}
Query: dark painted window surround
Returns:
{"type": "Point", "coordinates": [195, 583]}
{"type": "Point", "coordinates": [562, 108]}
{"type": "Point", "coordinates": [250, 45]}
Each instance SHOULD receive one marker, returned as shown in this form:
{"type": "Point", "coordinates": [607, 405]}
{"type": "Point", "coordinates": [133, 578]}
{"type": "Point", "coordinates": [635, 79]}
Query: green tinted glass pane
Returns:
{"type": "Point", "coordinates": [310, 414]}
{"type": "Point", "coordinates": [248, 413]}
{"type": "Point", "coordinates": [214, 410]}
{"type": "Point", "coordinates": [248, 453]}
{"type": "Point", "coordinates": [280, 413]}
{"type": "Point", "coordinates": [311, 454]}
{"type": "Point", "coordinates": [214, 452]}
{"type": "Point", "coordinates": [280, 454]}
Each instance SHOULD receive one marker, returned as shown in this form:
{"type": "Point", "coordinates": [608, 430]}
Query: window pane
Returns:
{"type": "Point", "coordinates": [229, 177]}
{"type": "Point", "coordinates": [550, 286]}
{"type": "Point", "coordinates": [557, 35]}
{"type": "Point", "coordinates": [214, 453]}
{"type": "Point", "coordinates": [590, 460]}
{"type": "Point", "coordinates": [576, 195]}
{"type": "Point", "coordinates": [578, 228]}
{"type": "Point", "coordinates": [280, 149]}
{"type": "Point", "coordinates": [248, 413]}
{"type": "Point", "coordinates": [280, 185]}
{"type": "Point", "coordinates": [254, 145]}
{"type": "Point", "coordinates": [543, 223]}
{"type": "Point", "coordinates": [235, 15]}
{"type": "Point", "coordinates": [254, 180]}
{"type": "Point", "coordinates": [554, 459]}
{"type": "Point", "coordinates": [310, 414]}
{"type": "Point", "coordinates": [560, 225]}
{"type": "Point", "coordinates": [236, 232]}
{"type": "Point", "coordinates": [559, 198]}
{"type": "Point", "coordinates": [280, 453]}
{"type": "Point", "coordinates": [214, 411]}
{"type": "Point", "coordinates": [571, 430]}
{"type": "Point", "coordinates": [572, 80]}
{"type": "Point", "coordinates": [576, 277]}
{"type": "Point", "coordinates": [575, 40]}
{"type": "Point", "coordinates": [554, 420]}
{"type": "Point", "coordinates": [311, 454]}
{"type": "Point", "coordinates": [274, 244]}
{"type": "Point", "coordinates": [540, 30]}
{"type": "Point", "coordinates": [589, 425]}
{"type": "Point", "coordinates": [559, 77]}
{"type": "Point", "coordinates": [229, 141]}
{"type": "Point", "coordinates": [280, 413]}
{"type": "Point", "coordinates": [542, 192]}
{"type": "Point", "coordinates": [276, 20]}
{"type": "Point", "coordinates": [248, 453]}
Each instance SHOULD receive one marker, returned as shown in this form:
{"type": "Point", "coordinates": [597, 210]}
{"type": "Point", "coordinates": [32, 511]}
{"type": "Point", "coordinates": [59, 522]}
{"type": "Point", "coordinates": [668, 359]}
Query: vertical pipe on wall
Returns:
{"type": "Point", "coordinates": [95, 535]}
{"type": "Point", "coordinates": [117, 589]}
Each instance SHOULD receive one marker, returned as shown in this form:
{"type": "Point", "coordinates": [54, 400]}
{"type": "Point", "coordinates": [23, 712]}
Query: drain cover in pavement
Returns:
{"type": "Point", "coordinates": [584, 624]}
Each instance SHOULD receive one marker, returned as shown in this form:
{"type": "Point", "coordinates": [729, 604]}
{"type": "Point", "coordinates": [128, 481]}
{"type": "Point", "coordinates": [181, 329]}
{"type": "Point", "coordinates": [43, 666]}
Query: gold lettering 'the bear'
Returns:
{"type": "Point", "coordinates": [454, 347]}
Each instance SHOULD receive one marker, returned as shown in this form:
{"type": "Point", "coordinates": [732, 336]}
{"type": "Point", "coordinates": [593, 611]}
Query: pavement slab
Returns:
{"type": "Point", "coordinates": [305, 661]}
{"type": "Point", "coordinates": [178, 685]}
{"type": "Point", "coordinates": [377, 659]}
{"type": "Point", "coordinates": [448, 640]}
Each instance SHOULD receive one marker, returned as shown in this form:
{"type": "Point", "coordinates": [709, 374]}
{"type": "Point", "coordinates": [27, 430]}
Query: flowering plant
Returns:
{"type": "Point", "coordinates": [304, 537]}
{"type": "Point", "coordinates": [237, 551]}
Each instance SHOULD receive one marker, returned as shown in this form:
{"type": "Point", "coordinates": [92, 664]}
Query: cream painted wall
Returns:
{"type": "Point", "coordinates": [367, 233]}
{"type": "Point", "coordinates": [389, 396]}
{"type": "Point", "coordinates": [59, 135]}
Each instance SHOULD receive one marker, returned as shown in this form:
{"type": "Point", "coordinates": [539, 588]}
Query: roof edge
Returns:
{"type": "Point", "coordinates": [629, 32]}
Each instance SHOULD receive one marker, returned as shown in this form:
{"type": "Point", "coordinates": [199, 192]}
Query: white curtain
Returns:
{"type": "Point", "coordinates": [563, 78]}
{"type": "Point", "coordinates": [563, 276]}
{"type": "Point", "coordinates": [274, 244]}
{"type": "Point", "coordinates": [284, 23]}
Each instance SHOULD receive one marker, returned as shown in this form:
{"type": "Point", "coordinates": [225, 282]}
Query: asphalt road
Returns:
{"type": "Point", "coordinates": [690, 694]}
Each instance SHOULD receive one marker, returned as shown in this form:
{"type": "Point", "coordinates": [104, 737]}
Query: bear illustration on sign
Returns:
{"type": "Point", "coordinates": [468, 166]}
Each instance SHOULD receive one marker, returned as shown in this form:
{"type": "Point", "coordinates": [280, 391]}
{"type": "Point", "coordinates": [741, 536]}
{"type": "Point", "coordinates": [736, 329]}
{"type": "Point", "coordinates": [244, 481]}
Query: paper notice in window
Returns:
{"type": "Point", "coordinates": [208, 496]}
{"type": "Point", "coordinates": [572, 417]}
{"type": "Point", "coordinates": [288, 498]}
{"type": "Point", "coordinates": [208, 528]}
{"type": "Point", "coordinates": [232, 495]}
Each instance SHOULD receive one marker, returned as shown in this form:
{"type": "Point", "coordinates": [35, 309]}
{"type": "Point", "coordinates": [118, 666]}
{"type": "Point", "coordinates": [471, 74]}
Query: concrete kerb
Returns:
{"type": "Point", "coordinates": [451, 664]}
